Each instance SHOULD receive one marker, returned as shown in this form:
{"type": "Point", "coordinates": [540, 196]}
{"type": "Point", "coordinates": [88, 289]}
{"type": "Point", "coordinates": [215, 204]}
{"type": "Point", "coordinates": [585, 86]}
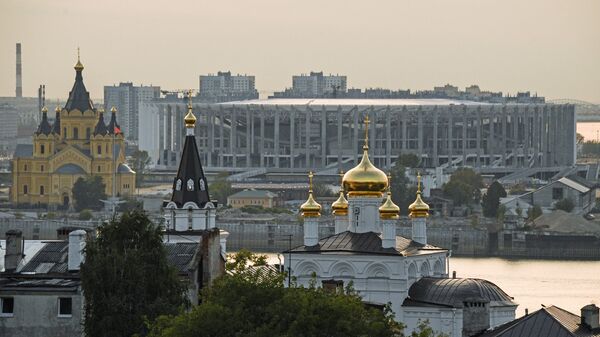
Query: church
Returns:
{"type": "Point", "coordinates": [409, 274]}
{"type": "Point", "coordinates": [77, 144]}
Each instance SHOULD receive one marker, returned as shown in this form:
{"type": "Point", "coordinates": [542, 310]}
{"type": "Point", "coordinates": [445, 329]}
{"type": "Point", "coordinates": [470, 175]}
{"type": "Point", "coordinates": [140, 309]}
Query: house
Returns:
{"type": "Point", "coordinates": [251, 197]}
{"type": "Point", "coordinates": [551, 321]}
{"type": "Point", "coordinates": [580, 191]}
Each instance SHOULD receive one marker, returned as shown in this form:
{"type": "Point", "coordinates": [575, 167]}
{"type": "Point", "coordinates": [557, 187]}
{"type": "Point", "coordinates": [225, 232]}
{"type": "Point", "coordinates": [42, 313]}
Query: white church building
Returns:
{"type": "Point", "coordinates": [408, 273]}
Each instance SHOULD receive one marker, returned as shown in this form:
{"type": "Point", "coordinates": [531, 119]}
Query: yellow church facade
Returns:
{"type": "Point", "coordinates": [78, 144]}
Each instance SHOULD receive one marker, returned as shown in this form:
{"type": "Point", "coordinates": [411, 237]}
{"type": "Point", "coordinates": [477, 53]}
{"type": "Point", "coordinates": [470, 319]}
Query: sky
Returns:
{"type": "Point", "coordinates": [551, 47]}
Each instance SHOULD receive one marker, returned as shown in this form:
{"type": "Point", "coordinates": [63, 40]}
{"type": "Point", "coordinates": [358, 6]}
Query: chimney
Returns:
{"type": "Point", "coordinates": [76, 246]}
{"type": "Point", "coordinates": [590, 317]}
{"type": "Point", "coordinates": [14, 250]}
{"type": "Point", "coordinates": [19, 89]}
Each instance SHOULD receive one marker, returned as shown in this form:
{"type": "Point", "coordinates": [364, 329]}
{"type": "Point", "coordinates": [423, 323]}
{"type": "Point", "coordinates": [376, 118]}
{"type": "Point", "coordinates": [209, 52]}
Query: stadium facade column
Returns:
{"type": "Point", "coordinates": [276, 136]}
{"type": "Point", "coordinates": [340, 122]}
{"type": "Point", "coordinates": [323, 136]}
{"type": "Point", "coordinates": [388, 139]}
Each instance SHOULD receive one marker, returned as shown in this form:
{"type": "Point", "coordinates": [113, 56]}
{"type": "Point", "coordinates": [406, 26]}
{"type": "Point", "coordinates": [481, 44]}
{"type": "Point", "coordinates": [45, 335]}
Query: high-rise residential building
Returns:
{"type": "Point", "coordinates": [224, 87]}
{"type": "Point", "coordinates": [127, 98]}
{"type": "Point", "coordinates": [318, 85]}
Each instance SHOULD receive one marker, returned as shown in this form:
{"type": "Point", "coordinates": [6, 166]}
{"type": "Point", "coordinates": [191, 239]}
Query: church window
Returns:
{"type": "Point", "coordinates": [99, 168]}
{"type": "Point", "coordinates": [333, 285]}
{"type": "Point", "coordinates": [65, 132]}
{"type": "Point", "coordinates": [42, 190]}
{"type": "Point", "coordinates": [75, 133]}
{"type": "Point", "coordinates": [190, 185]}
{"type": "Point", "coordinates": [178, 185]}
{"type": "Point", "coordinates": [88, 133]}
{"type": "Point", "coordinates": [25, 189]}
{"type": "Point", "coordinates": [42, 168]}
{"type": "Point", "coordinates": [65, 307]}
{"type": "Point", "coordinates": [7, 306]}
{"type": "Point", "coordinates": [42, 149]}
{"type": "Point", "coordinates": [99, 149]}
{"type": "Point", "coordinates": [25, 167]}
{"type": "Point", "coordinates": [201, 184]}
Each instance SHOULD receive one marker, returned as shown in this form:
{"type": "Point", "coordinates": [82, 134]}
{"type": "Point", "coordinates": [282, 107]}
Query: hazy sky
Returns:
{"type": "Point", "coordinates": [547, 46]}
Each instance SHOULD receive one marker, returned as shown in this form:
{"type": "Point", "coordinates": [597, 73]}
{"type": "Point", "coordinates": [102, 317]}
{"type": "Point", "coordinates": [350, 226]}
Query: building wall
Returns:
{"type": "Point", "coordinates": [36, 315]}
{"type": "Point", "coordinates": [442, 320]}
{"type": "Point", "coordinates": [303, 136]}
{"type": "Point", "coordinates": [544, 197]}
{"type": "Point", "coordinates": [129, 100]}
{"type": "Point", "coordinates": [241, 202]}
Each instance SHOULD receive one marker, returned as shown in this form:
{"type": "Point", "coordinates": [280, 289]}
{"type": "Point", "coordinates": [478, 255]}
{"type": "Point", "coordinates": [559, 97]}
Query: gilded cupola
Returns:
{"type": "Point", "coordinates": [190, 119]}
{"type": "Point", "coordinates": [340, 206]}
{"type": "Point", "coordinates": [418, 209]}
{"type": "Point", "coordinates": [389, 210]}
{"type": "Point", "coordinates": [311, 207]}
{"type": "Point", "coordinates": [365, 179]}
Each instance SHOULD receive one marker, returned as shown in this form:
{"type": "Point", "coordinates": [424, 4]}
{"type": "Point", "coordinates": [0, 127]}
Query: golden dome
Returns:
{"type": "Point", "coordinates": [113, 109]}
{"type": "Point", "coordinates": [389, 210]}
{"type": "Point", "coordinates": [190, 119]}
{"type": "Point", "coordinates": [44, 109]}
{"type": "Point", "coordinates": [311, 207]}
{"type": "Point", "coordinates": [57, 110]}
{"type": "Point", "coordinates": [418, 209]}
{"type": "Point", "coordinates": [340, 206]}
{"type": "Point", "coordinates": [78, 65]}
{"type": "Point", "coordinates": [365, 179]}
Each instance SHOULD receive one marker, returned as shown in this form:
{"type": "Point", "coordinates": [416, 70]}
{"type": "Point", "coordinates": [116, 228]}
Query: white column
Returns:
{"type": "Point", "coordinates": [341, 223]}
{"type": "Point", "coordinates": [364, 214]}
{"type": "Point", "coordinates": [388, 235]}
{"type": "Point", "coordinates": [311, 230]}
{"type": "Point", "coordinates": [419, 230]}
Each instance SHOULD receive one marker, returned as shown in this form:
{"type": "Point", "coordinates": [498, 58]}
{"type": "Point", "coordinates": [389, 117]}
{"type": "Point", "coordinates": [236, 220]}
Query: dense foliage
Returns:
{"type": "Point", "coordinates": [566, 205]}
{"type": "Point", "coordinates": [403, 192]}
{"type": "Point", "coordinates": [87, 193]}
{"type": "Point", "coordinates": [408, 160]}
{"type": "Point", "coordinates": [220, 188]}
{"type": "Point", "coordinates": [534, 212]}
{"type": "Point", "coordinates": [139, 162]}
{"type": "Point", "coordinates": [491, 199]}
{"type": "Point", "coordinates": [464, 187]}
{"type": "Point", "coordinates": [127, 279]}
{"type": "Point", "coordinates": [251, 303]}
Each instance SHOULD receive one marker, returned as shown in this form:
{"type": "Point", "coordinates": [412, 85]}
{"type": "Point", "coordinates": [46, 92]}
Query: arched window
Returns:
{"type": "Point", "coordinates": [25, 191]}
{"type": "Point", "coordinates": [99, 149]}
{"type": "Point", "coordinates": [42, 149]}
{"type": "Point", "coordinates": [65, 132]}
{"type": "Point", "coordinates": [88, 133]}
{"type": "Point", "coordinates": [41, 189]}
{"type": "Point", "coordinates": [75, 133]}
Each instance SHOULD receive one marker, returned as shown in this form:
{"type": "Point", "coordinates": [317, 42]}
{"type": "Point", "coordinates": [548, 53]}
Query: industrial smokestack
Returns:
{"type": "Point", "coordinates": [19, 90]}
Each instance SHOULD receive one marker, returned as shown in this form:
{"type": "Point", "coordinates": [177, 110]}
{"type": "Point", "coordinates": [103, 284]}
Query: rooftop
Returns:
{"type": "Point", "coordinates": [365, 102]}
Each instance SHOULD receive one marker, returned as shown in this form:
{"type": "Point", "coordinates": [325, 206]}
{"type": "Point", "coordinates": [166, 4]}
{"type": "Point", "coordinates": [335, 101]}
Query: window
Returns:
{"type": "Point", "coordinates": [75, 133]}
{"type": "Point", "coordinates": [99, 167]}
{"type": "Point", "coordinates": [7, 304]}
{"type": "Point", "coordinates": [65, 307]}
{"type": "Point", "coordinates": [333, 285]}
{"type": "Point", "coordinates": [557, 193]}
{"type": "Point", "coordinates": [88, 133]}
{"type": "Point", "coordinates": [25, 167]}
{"type": "Point", "coordinates": [42, 168]}
{"type": "Point", "coordinates": [42, 149]}
{"type": "Point", "coordinates": [65, 132]}
{"type": "Point", "coordinates": [41, 190]}
{"type": "Point", "coordinates": [99, 149]}
{"type": "Point", "coordinates": [25, 189]}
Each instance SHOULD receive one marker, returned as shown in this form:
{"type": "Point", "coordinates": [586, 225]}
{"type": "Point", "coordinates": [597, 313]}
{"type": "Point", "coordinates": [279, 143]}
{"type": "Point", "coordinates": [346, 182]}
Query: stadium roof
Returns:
{"type": "Point", "coordinates": [364, 102]}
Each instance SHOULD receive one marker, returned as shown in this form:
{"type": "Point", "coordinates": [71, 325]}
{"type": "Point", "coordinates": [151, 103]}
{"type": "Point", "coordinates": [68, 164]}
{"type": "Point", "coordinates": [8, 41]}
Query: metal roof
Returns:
{"type": "Point", "coordinates": [70, 169]}
{"type": "Point", "coordinates": [124, 168]}
{"type": "Point", "coordinates": [180, 254]}
{"type": "Point", "coordinates": [364, 243]}
{"type": "Point", "coordinates": [356, 102]}
{"type": "Point", "coordinates": [454, 292]}
{"type": "Point", "coordinates": [546, 322]}
{"type": "Point", "coordinates": [574, 185]}
{"type": "Point", "coordinates": [24, 151]}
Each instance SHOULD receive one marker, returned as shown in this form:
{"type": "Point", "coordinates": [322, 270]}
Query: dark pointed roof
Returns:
{"type": "Point", "coordinates": [56, 125]}
{"type": "Point", "coordinates": [190, 168]}
{"type": "Point", "coordinates": [113, 123]}
{"type": "Point", "coordinates": [79, 97]}
{"type": "Point", "coordinates": [100, 128]}
{"type": "Point", "coordinates": [44, 127]}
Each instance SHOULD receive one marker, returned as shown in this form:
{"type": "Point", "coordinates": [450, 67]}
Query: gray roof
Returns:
{"type": "Point", "coordinates": [124, 168]}
{"type": "Point", "coordinates": [16, 282]}
{"type": "Point", "coordinates": [453, 292]}
{"type": "Point", "coordinates": [253, 194]}
{"type": "Point", "coordinates": [180, 254]}
{"type": "Point", "coordinates": [546, 322]}
{"type": "Point", "coordinates": [24, 151]}
{"type": "Point", "coordinates": [364, 243]}
{"type": "Point", "coordinates": [70, 169]}
{"type": "Point", "coordinates": [355, 101]}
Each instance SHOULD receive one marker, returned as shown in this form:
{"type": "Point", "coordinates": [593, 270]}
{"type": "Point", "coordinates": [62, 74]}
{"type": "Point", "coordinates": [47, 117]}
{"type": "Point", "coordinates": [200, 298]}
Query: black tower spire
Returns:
{"type": "Point", "coordinates": [79, 97]}
{"type": "Point", "coordinates": [56, 125]}
{"type": "Point", "coordinates": [44, 127]}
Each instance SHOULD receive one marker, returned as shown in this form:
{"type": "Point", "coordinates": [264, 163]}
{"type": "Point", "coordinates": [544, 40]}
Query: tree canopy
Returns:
{"type": "Point", "coordinates": [491, 199]}
{"type": "Point", "coordinates": [126, 278]}
{"type": "Point", "coordinates": [464, 187]}
{"type": "Point", "coordinates": [403, 192]}
{"type": "Point", "coordinates": [87, 193]}
{"type": "Point", "coordinates": [566, 205]}
{"type": "Point", "coordinates": [139, 161]}
{"type": "Point", "coordinates": [220, 188]}
{"type": "Point", "coordinates": [408, 160]}
{"type": "Point", "coordinates": [245, 303]}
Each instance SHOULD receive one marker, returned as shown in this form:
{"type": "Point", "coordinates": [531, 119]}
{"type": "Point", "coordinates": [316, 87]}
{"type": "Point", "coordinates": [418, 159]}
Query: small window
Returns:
{"type": "Point", "coordinates": [99, 168]}
{"type": "Point", "coordinates": [42, 168]}
{"type": "Point", "coordinates": [75, 133]}
{"type": "Point", "coordinates": [65, 132]}
{"type": "Point", "coordinates": [25, 189]}
{"type": "Point", "coordinates": [99, 149]}
{"type": "Point", "coordinates": [41, 190]}
{"type": "Point", "coordinates": [557, 193]}
{"type": "Point", "coordinates": [25, 167]}
{"type": "Point", "coordinates": [88, 133]}
{"type": "Point", "coordinates": [7, 305]}
{"type": "Point", "coordinates": [65, 307]}
{"type": "Point", "coordinates": [42, 149]}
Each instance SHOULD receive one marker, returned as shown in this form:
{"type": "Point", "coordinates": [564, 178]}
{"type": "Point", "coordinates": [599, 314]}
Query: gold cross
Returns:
{"type": "Point", "coordinates": [190, 98]}
{"type": "Point", "coordinates": [77, 53]}
{"type": "Point", "coordinates": [367, 121]}
{"type": "Point", "coordinates": [310, 183]}
{"type": "Point", "coordinates": [418, 181]}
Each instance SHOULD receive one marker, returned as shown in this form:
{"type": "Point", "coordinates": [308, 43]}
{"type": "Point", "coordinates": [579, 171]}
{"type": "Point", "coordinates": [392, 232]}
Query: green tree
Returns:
{"type": "Point", "coordinates": [127, 279]}
{"type": "Point", "coordinates": [139, 161]}
{"type": "Point", "coordinates": [566, 205]}
{"type": "Point", "coordinates": [321, 190]}
{"type": "Point", "coordinates": [220, 188]}
{"type": "Point", "coordinates": [252, 303]}
{"type": "Point", "coordinates": [464, 187]}
{"type": "Point", "coordinates": [403, 192]}
{"type": "Point", "coordinates": [534, 212]}
{"type": "Point", "coordinates": [408, 160]}
{"type": "Point", "coordinates": [87, 193]}
{"type": "Point", "coordinates": [85, 214]}
{"type": "Point", "coordinates": [491, 199]}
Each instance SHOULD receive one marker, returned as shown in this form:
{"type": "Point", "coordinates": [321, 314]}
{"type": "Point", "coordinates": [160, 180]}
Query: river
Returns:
{"type": "Point", "coordinates": [566, 284]}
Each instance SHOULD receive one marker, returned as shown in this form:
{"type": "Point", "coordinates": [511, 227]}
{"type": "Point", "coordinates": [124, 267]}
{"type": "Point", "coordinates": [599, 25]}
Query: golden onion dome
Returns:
{"type": "Point", "coordinates": [365, 179]}
{"type": "Point", "coordinates": [311, 207]}
{"type": "Point", "coordinates": [418, 209]}
{"type": "Point", "coordinates": [389, 210]}
{"type": "Point", "coordinates": [190, 119]}
{"type": "Point", "coordinates": [78, 65]}
{"type": "Point", "coordinates": [340, 206]}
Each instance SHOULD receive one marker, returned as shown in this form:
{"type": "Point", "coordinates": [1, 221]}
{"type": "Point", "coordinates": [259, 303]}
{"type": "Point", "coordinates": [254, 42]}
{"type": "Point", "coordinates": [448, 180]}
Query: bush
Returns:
{"type": "Point", "coordinates": [566, 205]}
{"type": "Point", "coordinates": [85, 214]}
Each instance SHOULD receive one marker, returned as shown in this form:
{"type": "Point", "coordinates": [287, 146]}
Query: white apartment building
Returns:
{"type": "Point", "coordinates": [224, 87]}
{"type": "Point", "coordinates": [316, 84]}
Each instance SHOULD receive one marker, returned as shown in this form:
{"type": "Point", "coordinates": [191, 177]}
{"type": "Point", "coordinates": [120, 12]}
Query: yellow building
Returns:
{"type": "Point", "coordinates": [78, 144]}
{"type": "Point", "coordinates": [243, 198]}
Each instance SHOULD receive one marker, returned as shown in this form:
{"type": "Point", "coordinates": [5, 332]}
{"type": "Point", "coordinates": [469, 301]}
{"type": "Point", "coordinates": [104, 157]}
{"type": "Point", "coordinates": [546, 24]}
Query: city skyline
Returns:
{"type": "Point", "coordinates": [490, 44]}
